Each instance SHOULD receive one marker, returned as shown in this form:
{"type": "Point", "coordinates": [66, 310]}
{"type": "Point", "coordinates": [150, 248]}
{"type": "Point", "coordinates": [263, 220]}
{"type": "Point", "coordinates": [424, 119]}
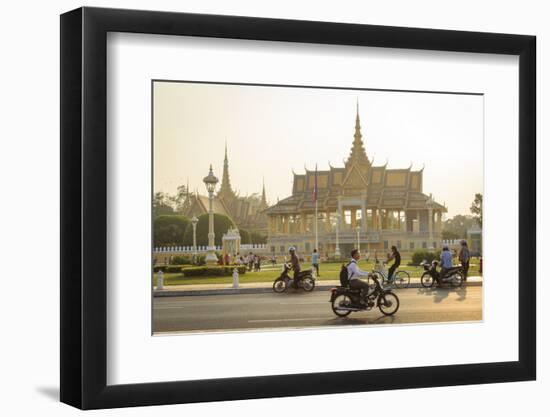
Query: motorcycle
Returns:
{"type": "Point", "coordinates": [306, 280]}
{"type": "Point", "coordinates": [453, 276]}
{"type": "Point", "coordinates": [345, 300]}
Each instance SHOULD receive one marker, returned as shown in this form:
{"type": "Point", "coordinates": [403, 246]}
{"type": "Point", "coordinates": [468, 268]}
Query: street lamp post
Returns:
{"type": "Point", "coordinates": [337, 248]}
{"type": "Point", "coordinates": [358, 230]}
{"type": "Point", "coordinates": [194, 222]}
{"type": "Point", "coordinates": [210, 181]}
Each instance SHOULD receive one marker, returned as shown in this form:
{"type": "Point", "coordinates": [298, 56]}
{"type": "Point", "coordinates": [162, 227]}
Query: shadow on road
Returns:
{"type": "Point", "coordinates": [350, 321]}
{"type": "Point", "coordinates": [440, 294]}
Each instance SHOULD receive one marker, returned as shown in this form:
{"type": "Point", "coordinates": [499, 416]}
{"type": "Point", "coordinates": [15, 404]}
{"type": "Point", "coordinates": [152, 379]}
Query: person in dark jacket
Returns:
{"type": "Point", "coordinates": [396, 257]}
{"type": "Point", "coordinates": [464, 258]}
{"type": "Point", "coordinates": [295, 262]}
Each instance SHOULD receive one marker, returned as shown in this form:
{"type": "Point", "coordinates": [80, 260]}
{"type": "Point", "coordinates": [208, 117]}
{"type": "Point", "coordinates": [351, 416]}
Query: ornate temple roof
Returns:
{"type": "Point", "coordinates": [383, 187]}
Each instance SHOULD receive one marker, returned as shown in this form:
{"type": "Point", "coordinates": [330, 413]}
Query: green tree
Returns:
{"type": "Point", "coordinates": [477, 209]}
{"type": "Point", "coordinates": [457, 226]}
{"type": "Point", "coordinates": [449, 235]}
{"type": "Point", "coordinates": [181, 200]}
{"type": "Point", "coordinates": [222, 224]}
{"type": "Point", "coordinates": [169, 230]}
{"type": "Point", "coordinates": [257, 237]}
{"type": "Point", "coordinates": [162, 204]}
{"type": "Point", "coordinates": [245, 237]}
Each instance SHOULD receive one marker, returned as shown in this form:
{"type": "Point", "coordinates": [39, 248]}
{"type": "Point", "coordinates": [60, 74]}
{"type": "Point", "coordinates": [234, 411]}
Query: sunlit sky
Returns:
{"type": "Point", "coordinates": [271, 131]}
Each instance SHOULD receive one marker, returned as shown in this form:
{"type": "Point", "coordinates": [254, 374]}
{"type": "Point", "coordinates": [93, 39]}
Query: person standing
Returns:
{"type": "Point", "coordinates": [257, 262]}
{"type": "Point", "coordinates": [250, 261]}
{"type": "Point", "coordinates": [464, 258]}
{"type": "Point", "coordinates": [315, 261]}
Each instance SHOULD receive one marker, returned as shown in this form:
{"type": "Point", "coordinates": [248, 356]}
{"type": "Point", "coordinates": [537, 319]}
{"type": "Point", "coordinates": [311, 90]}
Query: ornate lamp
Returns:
{"type": "Point", "coordinates": [210, 181]}
{"type": "Point", "coordinates": [194, 222]}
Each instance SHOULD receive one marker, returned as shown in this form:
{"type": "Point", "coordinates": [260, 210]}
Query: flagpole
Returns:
{"type": "Point", "coordinates": [316, 235]}
{"type": "Point", "coordinates": [316, 212]}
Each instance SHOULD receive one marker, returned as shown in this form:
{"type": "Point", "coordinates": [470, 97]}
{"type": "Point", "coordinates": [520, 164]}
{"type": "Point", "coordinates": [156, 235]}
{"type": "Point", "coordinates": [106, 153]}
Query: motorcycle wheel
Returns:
{"type": "Point", "coordinates": [456, 279]}
{"type": "Point", "coordinates": [427, 280]}
{"type": "Point", "coordinates": [308, 284]}
{"type": "Point", "coordinates": [341, 300]}
{"type": "Point", "coordinates": [388, 303]}
{"type": "Point", "coordinates": [279, 285]}
{"type": "Point", "coordinates": [402, 279]}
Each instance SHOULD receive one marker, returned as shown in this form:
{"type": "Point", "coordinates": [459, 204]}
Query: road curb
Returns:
{"type": "Point", "coordinates": [260, 290]}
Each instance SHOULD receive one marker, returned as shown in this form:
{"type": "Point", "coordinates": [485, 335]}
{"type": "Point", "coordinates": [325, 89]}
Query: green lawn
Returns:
{"type": "Point", "coordinates": [329, 271]}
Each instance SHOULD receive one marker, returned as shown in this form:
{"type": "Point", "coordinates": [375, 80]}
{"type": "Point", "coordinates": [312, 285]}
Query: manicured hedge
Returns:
{"type": "Point", "coordinates": [424, 255]}
{"type": "Point", "coordinates": [170, 269]}
{"type": "Point", "coordinates": [198, 271]}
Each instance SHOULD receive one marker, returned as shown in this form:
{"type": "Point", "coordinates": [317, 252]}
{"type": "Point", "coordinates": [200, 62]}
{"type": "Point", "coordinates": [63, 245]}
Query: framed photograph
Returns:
{"type": "Point", "coordinates": [259, 208]}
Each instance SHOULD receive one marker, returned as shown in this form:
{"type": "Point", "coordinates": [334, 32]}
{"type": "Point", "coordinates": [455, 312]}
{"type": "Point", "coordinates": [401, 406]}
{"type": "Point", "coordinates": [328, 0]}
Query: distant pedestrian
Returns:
{"type": "Point", "coordinates": [464, 258]}
{"type": "Point", "coordinates": [250, 261]}
{"type": "Point", "coordinates": [273, 260]}
{"type": "Point", "coordinates": [257, 263]}
{"type": "Point", "coordinates": [227, 259]}
{"type": "Point", "coordinates": [315, 261]}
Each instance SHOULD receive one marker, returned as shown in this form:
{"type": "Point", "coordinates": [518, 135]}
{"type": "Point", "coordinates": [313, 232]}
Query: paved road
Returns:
{"type": "Point", "coordinates": [298, 309]}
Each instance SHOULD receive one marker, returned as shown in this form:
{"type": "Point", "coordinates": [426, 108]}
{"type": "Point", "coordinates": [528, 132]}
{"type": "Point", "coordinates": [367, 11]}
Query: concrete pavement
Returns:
{"type": "Point", "coordinates": [299, 310]}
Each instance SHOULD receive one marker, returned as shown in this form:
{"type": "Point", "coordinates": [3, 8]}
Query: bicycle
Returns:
{"type": "Point", "coordinates": [400, 279]}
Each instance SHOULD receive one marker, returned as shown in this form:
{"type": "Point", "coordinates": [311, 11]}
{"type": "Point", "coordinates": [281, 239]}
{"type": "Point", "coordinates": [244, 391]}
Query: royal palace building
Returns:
{"type": "Point", "coordinates": [357, 204]}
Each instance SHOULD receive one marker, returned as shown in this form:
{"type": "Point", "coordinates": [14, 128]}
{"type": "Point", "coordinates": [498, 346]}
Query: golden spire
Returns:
{"type": "Point", "coordinates": [358, 152]}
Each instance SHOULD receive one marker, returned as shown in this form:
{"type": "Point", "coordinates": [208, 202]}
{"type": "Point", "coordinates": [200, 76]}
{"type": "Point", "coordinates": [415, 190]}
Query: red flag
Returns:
{"type": "Point", "coordinates": [315, 185]}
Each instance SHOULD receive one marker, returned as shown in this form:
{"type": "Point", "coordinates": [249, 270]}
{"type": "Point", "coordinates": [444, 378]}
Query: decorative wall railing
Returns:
{"type": "Point", "coordinates": [203, 249]}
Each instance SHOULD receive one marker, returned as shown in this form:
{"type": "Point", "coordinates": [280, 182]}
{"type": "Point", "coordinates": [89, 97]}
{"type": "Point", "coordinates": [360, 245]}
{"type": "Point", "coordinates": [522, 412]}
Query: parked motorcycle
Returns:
{"type": "Point", "coordinates": [306, 280]}
{"type": "Point", "coordinates": [345, 300]}
{"type": "Point", "coordinates": [431, 276]}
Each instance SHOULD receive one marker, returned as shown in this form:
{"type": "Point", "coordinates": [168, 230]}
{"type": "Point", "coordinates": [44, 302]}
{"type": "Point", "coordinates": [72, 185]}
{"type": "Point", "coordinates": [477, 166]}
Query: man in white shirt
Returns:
{"type": "Point", "coordinates": [355, 273]}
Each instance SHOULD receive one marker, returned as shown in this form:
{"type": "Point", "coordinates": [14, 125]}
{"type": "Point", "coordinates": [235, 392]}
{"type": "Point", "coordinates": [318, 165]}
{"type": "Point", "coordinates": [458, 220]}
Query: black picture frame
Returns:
{"type": "Point", "coordinates": [84, 207]}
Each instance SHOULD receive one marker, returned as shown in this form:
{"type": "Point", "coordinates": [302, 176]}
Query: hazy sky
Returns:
{"type": "Point", "coordinates": [272, 130]}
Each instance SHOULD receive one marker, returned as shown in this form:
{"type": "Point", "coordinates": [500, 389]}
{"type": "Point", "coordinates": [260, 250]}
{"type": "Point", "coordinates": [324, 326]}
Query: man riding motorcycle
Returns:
{"type": "Point", "coordinates": [295, 262]}
{"type": "Point", "coordinates": [354, 274]}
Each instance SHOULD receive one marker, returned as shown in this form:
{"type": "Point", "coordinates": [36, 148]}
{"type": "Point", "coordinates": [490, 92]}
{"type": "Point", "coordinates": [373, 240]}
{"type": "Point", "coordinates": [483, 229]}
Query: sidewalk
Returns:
{"type": "Point", "coordinates": [265, 287]}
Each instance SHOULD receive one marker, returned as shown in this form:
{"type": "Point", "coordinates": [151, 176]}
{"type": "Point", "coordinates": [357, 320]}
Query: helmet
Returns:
{"type": "Point", "coordinates": [445, 247]}
{"type": "Point", "coordinates": [292, 249]}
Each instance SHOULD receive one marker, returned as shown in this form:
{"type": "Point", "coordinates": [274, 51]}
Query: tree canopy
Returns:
{"type": "Point", "coordinates": [477, 209]}
{"type": "Point", "coordinates": [456, 227]}
{"type": "Point", "coordinates": [162, 204]}
{"type": "Point", "coordinates": [169, 230]}
{"type": "Point", "coordinates": [222, 224]}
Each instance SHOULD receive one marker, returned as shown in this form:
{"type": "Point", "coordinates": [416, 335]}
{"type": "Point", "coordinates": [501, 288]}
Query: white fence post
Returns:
{"type": "Point", "coordinates": [160, 280]}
